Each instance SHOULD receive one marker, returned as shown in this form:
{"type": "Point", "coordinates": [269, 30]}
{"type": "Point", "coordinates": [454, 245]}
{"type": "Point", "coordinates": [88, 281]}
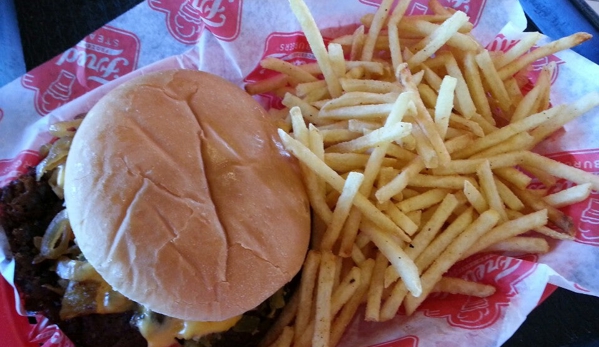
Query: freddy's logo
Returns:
{"type": "Point", "coordinates": [585, 213]}
{"type": "Point", "coordinates": [406, 341]}
{"type": "Point", "coordinates": [185, 19]}
{"type": "Point", "coordinates": [478, 313]}
{"type": "Point", "coordinates": [419, 7]}
{"type": "Point", "coordinates": [103, 56]}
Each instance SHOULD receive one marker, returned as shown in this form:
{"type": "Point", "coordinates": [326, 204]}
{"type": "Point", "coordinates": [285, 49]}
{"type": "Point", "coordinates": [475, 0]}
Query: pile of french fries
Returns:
{"type": "Point", "coordinates": [416, 150]}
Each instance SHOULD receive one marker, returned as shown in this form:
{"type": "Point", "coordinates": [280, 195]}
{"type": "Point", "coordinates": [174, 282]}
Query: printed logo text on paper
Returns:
{"type": "Point", "coordinates": [101, 57]}
{"type": "Point", "coordinates": [185, 19]}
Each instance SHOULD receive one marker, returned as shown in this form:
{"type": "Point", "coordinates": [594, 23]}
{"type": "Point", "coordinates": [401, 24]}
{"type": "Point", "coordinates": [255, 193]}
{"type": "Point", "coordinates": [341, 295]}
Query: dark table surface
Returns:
{"type": "Point", "coordinates": [48, 27]}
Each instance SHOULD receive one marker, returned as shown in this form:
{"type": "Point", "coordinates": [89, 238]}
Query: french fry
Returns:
{"type": "Point", "coordinates": [337, 59]}
{"type": "Point", "coordinates": [496, 86]}
{"type": "Point", "coordinates": [324, 292]}
{"type": "Point", "coordinates": [357, 255]}
{"type": "Point", "coordinates": [400, 153]}
{"type": "Point", "coordinates": [375, 291]}
{"type": "Point", "coordinates": [530, 103]}
{"type": "Point", "coordinates": [558, 169]}
{"type": "Point", "coordinates": [453, 285]}
{"type": "Point", "coordinates": [340, 125]}
{"type": "Point", "coordinates": [312, 182]}
{"type": "Point", "coordinates": [448, 182]}
{"type": "Point", "coordinates": [428, 95]}
{"type": "Point", "coordinates": [375, 161]}
{"type": "Point", "coordinates": [374, 67]}
{"type": "Point", "coordinates": [469, 166]}
{"type": "Point", "coordinates": [432, 226]}
{"type": "Point", "coordinates": [513, 89]}
{"type": "Point", "coordinates": [346, 290]}
{"type": "Point", "coordinates": [464, 103]}
{"type": "Point", "coordinates": [514, 176]}
{"type": "Point", "coordinates": [489, 189]}
{"type": "Point", "coordinates": [303, 89]}
{"type": "Point", "coordinates": [543, 51]}
{"type": "Point", "coordinates": [421, 27]}
{"type": "Point", "coordinates": [394, 45]}
{"type": "Point", "coordinates": [401, 181]}
{"type": "Point", "coordinates": [422, 201]}
{"type": "Point", "coordinates": [415, 216]}
{"type": "Point", "coordinates": [458, 143]}
{"type": "Point", "coordinates": [379, 20]}
{"type": "Point", "coordinates": [401, 219]}
{"type": "Point", "coordinates": [520, 244]}
{"type": "Point", "coordinates": [373, 139]}
{"type": "Point", "coordinates": [316, 95]}
{"type": "Point", "coordinates": [569, 113]}
{"type": "Point", "coordinates": [547, 179]}
{"type": "Point", "coordinates": [543, 230]}
{"type": "Point", "coordinates": [306, 290]}
{"type": "Point", "coordinates": [444, 104]}
{"type": "Point", "coordinates": [437, 246]}
{"type": "Point", "coordinates": [424, 147]}
{"type": "Point", "coordinates": [507, 230]}
{"type": "Point", "coordinates": [569, 196]}
{"type": "Point", "coordinates": [397, 257]}
{"type": "Point", "coordinates": [507, 196]}
{"type": "Point", "coordinates": [517, 50]}
{"type": "Point", "coordinates": [350, 189]}
{"type": "Point", "coordinates": [459, 225]}
{"type": "Point", "coordinates": [350, 232]}
{"type": "Point", "coordinates": [357, 43]}
{"type": "Point", "coordinates": [508, 131]}
{"type": "Point", "coordinates": [475, 198]}
{"type": "Point", "coordinates": [436, 39]}
{"type": "Point", "coordinates": [294, 72]}
{"type": "Point", "coordinates": [345, 162]}
{"type": "Point", "coordinates": [302, 13]}
{"type": "Point", "coordinates": [560, 219]}
{"type": "Point", "coordinates": [267, 85]}
{"type": "Point", "coordinates": [367, 112]}
{"type": "Point", "coordinates": [521, 140]}
{"type": "Point", "coordinates": [285, 339]}
{"type": "Point", "coordinates": [423, 118]}
{"type": "Point", "coordinates": [309, 112]}
{"type": "Point", "coordinates": [356, 125]}
{"type": "Point", "coordinates": [423, 260]}
{"type": "Point", "coordinates": [349, 310]}
{"type": "Point", "coordinates": [437, 8]}
{"type": "Point", "coordinates": [372, 86]}
{"type": "Point", "coordinates": [334, 136]}
{"type": "Point", "coordinates": [470, 125]}
{"type": "Point", "coordinates": [360, 98]}
{"type": "Point", "coordinates": [450, 255]}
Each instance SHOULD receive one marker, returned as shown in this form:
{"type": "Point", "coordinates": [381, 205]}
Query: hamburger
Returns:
{"type": "Point", "coordinates": [184, 208]}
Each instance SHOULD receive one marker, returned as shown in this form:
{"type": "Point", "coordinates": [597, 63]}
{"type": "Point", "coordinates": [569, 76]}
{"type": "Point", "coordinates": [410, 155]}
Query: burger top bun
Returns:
{"type": "Point", "coordinates": [181, 196]}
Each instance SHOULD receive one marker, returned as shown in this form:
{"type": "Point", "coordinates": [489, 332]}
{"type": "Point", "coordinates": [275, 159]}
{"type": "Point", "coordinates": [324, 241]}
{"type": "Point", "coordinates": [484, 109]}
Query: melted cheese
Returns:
{"type": "Point", "coordinates": [164, 334]}
{"type": "Point", "coordinates": [157, 334]}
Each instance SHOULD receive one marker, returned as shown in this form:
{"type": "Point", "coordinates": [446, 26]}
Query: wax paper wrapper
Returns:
{"type": "Point", "coordinates": [230, 38]}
